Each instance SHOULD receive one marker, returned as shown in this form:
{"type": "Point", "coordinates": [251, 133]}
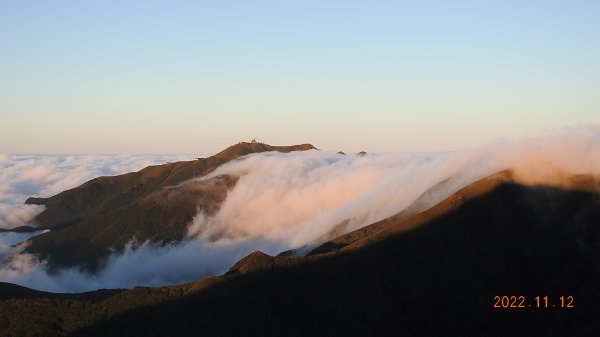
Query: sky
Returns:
{"type": "Point", "coordinates": [196, 76]}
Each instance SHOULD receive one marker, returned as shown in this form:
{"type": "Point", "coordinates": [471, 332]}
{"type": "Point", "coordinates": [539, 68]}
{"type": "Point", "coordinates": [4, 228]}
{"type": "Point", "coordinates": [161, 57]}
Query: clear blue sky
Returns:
{"type": "Point", "coordinates": [196, 76]}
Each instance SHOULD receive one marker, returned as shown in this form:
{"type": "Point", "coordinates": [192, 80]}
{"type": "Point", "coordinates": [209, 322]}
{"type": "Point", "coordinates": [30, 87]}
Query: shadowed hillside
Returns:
{"type": "Point", "coordinates": [10, 291]}
{"type": "Point", "coordinates": [437, 278]}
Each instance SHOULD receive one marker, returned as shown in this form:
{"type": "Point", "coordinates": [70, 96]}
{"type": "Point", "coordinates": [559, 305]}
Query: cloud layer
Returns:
{"type": "Point", "coordinates": [285, 201]}
{"type": "Point", "coordinates": [22, 176]}
{"type": "Point", "coordinates": [298, 198]}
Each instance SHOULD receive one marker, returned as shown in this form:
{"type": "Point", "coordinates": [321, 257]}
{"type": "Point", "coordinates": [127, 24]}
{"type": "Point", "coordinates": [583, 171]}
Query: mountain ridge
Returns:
{"type": "Point", "coordinates": [154, 204]}
{"type": "Point", "coordinates": [436, 278]}
{"type": "Point", "coordinates": [130, 186]}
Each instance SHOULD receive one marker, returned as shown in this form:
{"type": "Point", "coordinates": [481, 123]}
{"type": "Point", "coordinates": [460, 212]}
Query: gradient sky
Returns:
{"type": "Point", "coordinates": [197, 76]}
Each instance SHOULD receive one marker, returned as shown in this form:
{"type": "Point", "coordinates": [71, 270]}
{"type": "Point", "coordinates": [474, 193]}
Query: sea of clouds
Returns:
{"type": "Point", "coordinates": [286, 201]}
{"type": "Point", "coordinates": [23, 176]}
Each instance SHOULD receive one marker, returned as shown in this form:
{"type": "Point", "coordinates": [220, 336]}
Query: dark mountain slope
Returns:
{"type": "Point", "coordinates": [422, 210]}
{"type": "Point", "coordinates": [13, 291]}
{"type": "Point", "coordinates": [161, 217]}
{"type": "Point", "coordinates": [416, 214]}
{"type": "Point", "coordinates": [439, 278]}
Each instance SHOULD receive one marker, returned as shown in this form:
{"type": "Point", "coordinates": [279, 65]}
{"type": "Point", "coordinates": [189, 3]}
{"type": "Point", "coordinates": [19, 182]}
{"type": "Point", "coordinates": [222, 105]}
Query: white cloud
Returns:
{"type": "Point", "coordinates": [145, 265]}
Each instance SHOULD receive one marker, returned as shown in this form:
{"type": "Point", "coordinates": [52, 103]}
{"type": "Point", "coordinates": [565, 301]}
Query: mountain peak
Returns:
{"type": "Point", "coordinates": [244, 148]}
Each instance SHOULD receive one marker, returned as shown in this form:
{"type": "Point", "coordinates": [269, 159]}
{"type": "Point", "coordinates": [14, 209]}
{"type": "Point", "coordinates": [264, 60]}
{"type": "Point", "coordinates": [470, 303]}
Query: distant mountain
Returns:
{"type": "Point", "coordinates": [12, 291]}
{"type": "Point", "coordinates": [154, 204]}
{"type": "Point", "coordinates": [434, 273]}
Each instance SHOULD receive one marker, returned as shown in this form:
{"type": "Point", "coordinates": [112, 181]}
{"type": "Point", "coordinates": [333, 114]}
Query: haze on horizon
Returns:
{"type": "Point", "coordinates": [190, 77]}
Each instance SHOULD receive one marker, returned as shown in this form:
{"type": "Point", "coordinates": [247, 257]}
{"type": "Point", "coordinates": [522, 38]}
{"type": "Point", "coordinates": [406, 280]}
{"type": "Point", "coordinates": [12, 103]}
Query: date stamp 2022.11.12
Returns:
{"type": "Point", "coordinates": [516, 302]}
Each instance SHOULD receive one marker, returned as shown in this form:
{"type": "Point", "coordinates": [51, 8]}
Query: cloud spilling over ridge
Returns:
{"type": "Point", "coordinates": [284, 201]}
{"type": "Point", "coordinates": [299, 197]}
{"type": "Point", "coordinates": [22, 176]}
